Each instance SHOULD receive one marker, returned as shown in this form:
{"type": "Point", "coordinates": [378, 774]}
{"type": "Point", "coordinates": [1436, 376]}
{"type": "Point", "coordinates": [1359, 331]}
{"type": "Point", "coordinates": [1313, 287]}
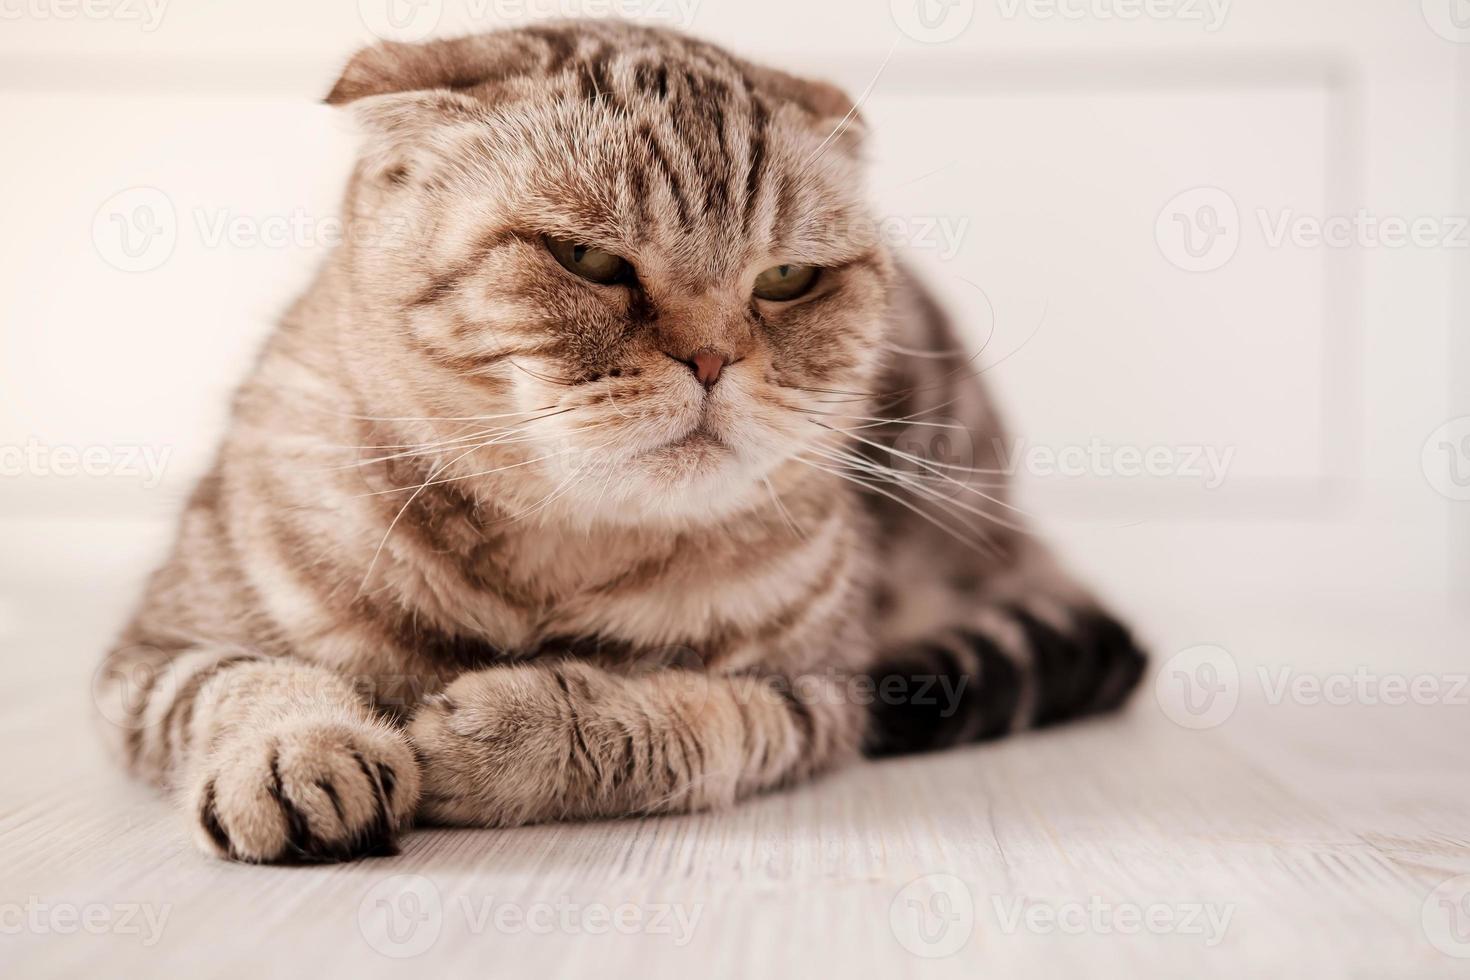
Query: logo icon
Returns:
{"type": "Point", "coordinates": [1199, 230]}
{"type": "Point", "coordinates": [1198, 687]}
{"type": "Point", "coordinates": [400, 20]}
{"type": "Point", "coordinates": [1450, 19]}
{"type": "Point", "coordinates": [401, 916]}
{"type": "Point", "coordinates": [1446, 459]}
{"type": "Point", "coordinates": [933, 916]}
{"type": "Point", "coordinates": [125, 683]}
{"type": "Point", "coordinates": [932, 21]}
{"type": "Point", "coordinates": [1445, 917]}
{"type": "Point", "coordinates": [938, 451]}
{"type": "Point", "coordinates": [136, 230]}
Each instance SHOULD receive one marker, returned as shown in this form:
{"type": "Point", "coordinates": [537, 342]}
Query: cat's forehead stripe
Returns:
{"type": "Point", "coordinates": [697, 165]}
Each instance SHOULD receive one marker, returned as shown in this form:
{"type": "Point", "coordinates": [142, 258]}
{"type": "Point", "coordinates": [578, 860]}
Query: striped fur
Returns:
{"type": "Point", "coordinates": [478, 547]}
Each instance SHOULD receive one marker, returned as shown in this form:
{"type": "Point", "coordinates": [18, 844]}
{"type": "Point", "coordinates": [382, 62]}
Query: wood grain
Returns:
{"type": "Point", "coordinates": [1313, 833]}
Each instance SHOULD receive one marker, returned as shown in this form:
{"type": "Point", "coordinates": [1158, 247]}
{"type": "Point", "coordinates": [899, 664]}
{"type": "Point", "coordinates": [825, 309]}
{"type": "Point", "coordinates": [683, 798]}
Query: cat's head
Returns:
{"type": "Point", "coordinates": [646, 255]}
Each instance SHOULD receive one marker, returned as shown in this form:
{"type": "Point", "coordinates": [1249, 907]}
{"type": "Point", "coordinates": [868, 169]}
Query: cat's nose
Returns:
{"type": "Point", "coordinates": [707, 365]}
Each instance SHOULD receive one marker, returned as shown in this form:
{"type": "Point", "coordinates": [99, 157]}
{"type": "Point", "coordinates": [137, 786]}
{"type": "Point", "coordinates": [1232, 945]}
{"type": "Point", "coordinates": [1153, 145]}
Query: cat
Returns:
{"type": "Point", "coordinates": [570, 487]}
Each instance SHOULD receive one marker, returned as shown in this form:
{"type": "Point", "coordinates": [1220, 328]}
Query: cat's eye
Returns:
{"type": "Point", "coordinates": [783, 282]}
{"type": "Point", "coordinates": [588, 262]}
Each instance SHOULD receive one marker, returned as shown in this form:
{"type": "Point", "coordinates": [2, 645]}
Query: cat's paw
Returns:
{"type": "Point", "coordinates": [304, 791]}
{"type": "Point", "coordinates": [480, 768]}
{"type": "Point", "coordinates": [1089, 667]}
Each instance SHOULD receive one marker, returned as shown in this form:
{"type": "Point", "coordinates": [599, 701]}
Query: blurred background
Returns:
{"type": "Point", "coordinates": [1215, 252]}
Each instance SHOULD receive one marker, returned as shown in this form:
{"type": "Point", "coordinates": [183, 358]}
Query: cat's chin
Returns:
{"type": "Point", "coordinates": [697, 478]}
{"type": "Point", "coordinates": [691, 455]}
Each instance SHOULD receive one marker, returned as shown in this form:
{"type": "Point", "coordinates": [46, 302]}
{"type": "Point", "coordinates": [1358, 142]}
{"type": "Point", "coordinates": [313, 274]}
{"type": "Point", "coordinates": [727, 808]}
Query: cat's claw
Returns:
{"type": "Point", "coordinates": [304, 791]}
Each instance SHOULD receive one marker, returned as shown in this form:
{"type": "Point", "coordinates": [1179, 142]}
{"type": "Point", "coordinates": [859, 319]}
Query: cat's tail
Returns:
{"type": "Point", "coordinates": [1013, 669]}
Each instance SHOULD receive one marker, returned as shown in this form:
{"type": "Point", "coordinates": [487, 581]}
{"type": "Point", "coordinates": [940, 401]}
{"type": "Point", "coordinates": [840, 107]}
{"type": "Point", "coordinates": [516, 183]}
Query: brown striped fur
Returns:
{"type": "Point", "coordinates": [479, 548]}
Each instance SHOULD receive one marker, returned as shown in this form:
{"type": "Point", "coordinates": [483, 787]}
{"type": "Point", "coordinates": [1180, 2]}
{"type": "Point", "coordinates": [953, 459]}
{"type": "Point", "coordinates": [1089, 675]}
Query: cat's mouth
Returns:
{"type": "Point", "coordinates": [701, 449]}
{"type": "Point", "coordinates": [701, 438]}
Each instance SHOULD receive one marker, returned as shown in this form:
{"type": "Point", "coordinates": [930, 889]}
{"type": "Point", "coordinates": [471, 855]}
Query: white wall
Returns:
{"type": "Point", "coordinates": [1049, 149]}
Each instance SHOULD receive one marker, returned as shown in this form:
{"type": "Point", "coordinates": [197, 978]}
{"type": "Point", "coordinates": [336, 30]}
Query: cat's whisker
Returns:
{"type": "Point", "coordinates": [912, 483]}
{"type": "Point", "coordinates": [878, 422]}
{"type": "Point", "coordinates": [965, 473]}
{"type": "Point", "coordinates": [896, 396]}
{"type": "Point", "coordinates": [926, 480]}
{"type": "Point", "coordinates": [951, 507]}
{"type": "Point", "coordinates": [419, 449]}
{"type": "Point", "coordinates": [607, 482]}
{"type": "Point", "coordinates": [564, 382]}
{"type": "Point", "coordinates": [916, 460]}
{"type": "Point", "coordinates": [833, 391]}
{"type": "Point", "coordinates": [367, 575]}
{"type": "Point", "coordinates": [462, 435]}
{"type": "Point", "coordinates": [500, 436]}
{"type": "Point", "coordinates": [556, 494]}
{"type": "Point", "coordinates": [616, 407]}
{"type": "Point", "coordinates": [434, 418]}
{"type": "Point", "coordinates": [899, 395]}
{"type": "Point", "coordinates": [922, 177]}
{"type": "Point", "coordinates": [560, 490]}
{"type": "Point", "coordinates": [852, 112]}
{"type": "Point", "coordinates": [908, 481]}
{"type": "Point", "coordinates": [498, 469]}
{"type": "Point", "coordinates": [976, 545]}
{"type": "Point", "coordinates": [434, 483]}
{"type": "Point", "coordinates": [781, 508]}
{"type": "Point", "coordinates": [476, 443]}
{"type": "Point", "coordinates": [935, 355]}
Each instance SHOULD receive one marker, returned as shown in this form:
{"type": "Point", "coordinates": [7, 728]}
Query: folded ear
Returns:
{"type": "Point", "coordinates": [396, 114]}
{"type": "Point", "coordinates": [832, 111]}
{"type": "Point", "coordinates": [817, 97]}
{"type": "Point", "coordinates": [473, 65]}
{"type": "Point", "coordinates": [406, 132]}
{"type": "Point", "coordinates": [413, 101]}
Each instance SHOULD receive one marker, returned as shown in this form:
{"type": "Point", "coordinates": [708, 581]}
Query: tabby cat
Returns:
{"type": "Point", "coordinates": [569, 489]}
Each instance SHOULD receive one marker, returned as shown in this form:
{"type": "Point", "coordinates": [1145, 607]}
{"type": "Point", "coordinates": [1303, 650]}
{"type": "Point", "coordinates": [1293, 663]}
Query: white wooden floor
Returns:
{"type": "Point", "coordinates": [1291, 839]}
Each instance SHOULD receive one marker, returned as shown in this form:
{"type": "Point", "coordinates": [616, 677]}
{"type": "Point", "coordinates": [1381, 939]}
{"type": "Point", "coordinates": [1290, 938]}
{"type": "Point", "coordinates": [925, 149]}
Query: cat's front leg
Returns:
{"type": "Point", "coordinates": [275, 760]}
{"type": "Point", "coordinates": [515, 745]}
{"type": "Point", "coordinates": [297, 770]}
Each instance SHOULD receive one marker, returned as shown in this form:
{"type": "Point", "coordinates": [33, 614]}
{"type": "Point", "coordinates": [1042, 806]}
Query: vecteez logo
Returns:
{"type": "Point", "coordinates": [146, 14]}
{"type": "Point", "coordinates": [932, 21]}
{"type": "Point", "coordinates": [933, 916]}
{"type": "Point", "coordinates": [1198, 687]}
{"type": "Point", "coordinates": [1199, 229]}
{"type": "Point", "coordinates": [136, 230]}
{"type": "Point", "coordinates": [1208, 14]}
{"type": "Point", "coordinates": [1450, 19]}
